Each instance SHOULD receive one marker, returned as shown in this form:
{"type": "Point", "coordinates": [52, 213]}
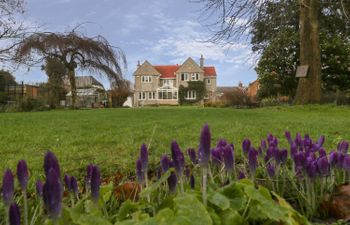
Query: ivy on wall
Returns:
{"type": "Point", "coordinates": [197, 86]}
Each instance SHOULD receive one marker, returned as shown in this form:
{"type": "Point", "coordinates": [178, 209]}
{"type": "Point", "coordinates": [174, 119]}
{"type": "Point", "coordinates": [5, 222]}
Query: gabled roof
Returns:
{"type": "Point", "coordinates": [146, 69]}
{"type": "Point", "coordinates": [190, 66]}
{"type": "Point", "coordinates": [209, 71]}
{"type": "Point", "coordinates": [86, 82]}
{"type": "Point", "coordinates": [167, 71]}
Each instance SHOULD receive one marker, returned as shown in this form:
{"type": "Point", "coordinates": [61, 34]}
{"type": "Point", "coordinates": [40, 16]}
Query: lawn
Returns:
{"type": "Point", "coordinates": [111, 137]}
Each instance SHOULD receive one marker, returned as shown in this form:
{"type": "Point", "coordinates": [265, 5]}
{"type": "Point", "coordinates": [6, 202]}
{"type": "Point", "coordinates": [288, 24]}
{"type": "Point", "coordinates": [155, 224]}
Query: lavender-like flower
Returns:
{"type": "Point", "coordinates": [140, 175]}
{"type": "Point", "coordinates": [333, 158]}
{"type": "Point", "coordinates": [246, 146]}
{"type": "Point", "coordinates": [164, 163]}
{"type": "Point", "coordinates": [172, 182]}
{"type": "Point", "coordinates": [221, 143]}
{"type": "Point", "coordinates": [288, 136]}
{"type": "Point", "coordinates": [89, 169]}
{"type": "Point", "coordinates": [241, 175]}
{"type": "Point", "coordinates": [204, 147]}
{"type": "Point", "coordinates": [51, 161]}
{"type": "Point", "coordinates": [187, 172]}
{"type": "Point", "coordinates": [340, 160]}
{"type": "Point", "coordinates": [39, 188]}
{"type": "Point", "coordinates": [228, 158]}
{"type": "Point", "coordinates": [67, 182]}
{"type": "Point", "coordinates": [293, 149]}
{"type": "Point", "coordinates": [343, 147]}
{"type": "Point", "coordinates": [320, 141]}
{"type": "Point", "coordinates": [192, 182]}
{"type": "Point", "coordinates": [322, 152]}
{"type": "Point", "coordinates": [192, 154]}
{"type": "Point", "coordinates": [282, 156]}
{"type": "Point", "coordinates": [22, 174]}
{"type": "Point", "coordinates": [252, 160]}
{"type": "Point", "coordinates": [298, 140]}
{"type": "Point", "coordinates": [95, 183]}
{"type": "Point", "coordinates": [52, 194]}
{"type": "Point", "coordinates": [7, 187]}
{"type": "Point", "coordinates": [311, 169]}
{"type": "Point", "coordinates": [178, 158]}
{"type": "Point", "coordinates": [346, 163]}
{"type": "Point", "coordinates": [74, 185]}
{"type": "Point", "coordinates": [14, 215]}
{"type": "Point", "coordinates": [144, 157]}
{"type": "Point", "coordinates": [270, 170]}
{"type": "Point", "coordinates": [216, 157]}
{"type": "Point", "coordinates": [323, 166]}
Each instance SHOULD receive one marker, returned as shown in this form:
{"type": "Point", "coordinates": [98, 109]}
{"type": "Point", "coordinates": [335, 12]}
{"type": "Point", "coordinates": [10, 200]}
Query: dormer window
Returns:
{"type": "Point", "coordinates": [146, 79]}
{"type": "Point", "coordinates": [184, 77]}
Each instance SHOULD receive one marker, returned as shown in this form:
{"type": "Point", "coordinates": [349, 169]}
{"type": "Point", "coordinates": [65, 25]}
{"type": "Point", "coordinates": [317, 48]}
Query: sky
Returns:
{"type": "Point", "coordinates": [160, 31]}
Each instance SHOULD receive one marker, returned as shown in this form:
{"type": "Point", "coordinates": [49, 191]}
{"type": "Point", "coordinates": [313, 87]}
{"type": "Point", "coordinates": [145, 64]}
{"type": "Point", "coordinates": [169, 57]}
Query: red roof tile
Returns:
{"type": "Point", "coordinates": [209, 71]}
{"type": "Point", "coordinates": [167, 71]}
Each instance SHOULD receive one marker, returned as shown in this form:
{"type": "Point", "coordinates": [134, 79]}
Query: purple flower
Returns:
{"type": "Point", "coordinates": [192, 182]}
{"type": "Point", "coordinates": [216, 157]}
{"type": "Point", "coordinates": [282, 156]}
{"type": "Point", "coordinates": [333, 158]}
{"type": "Point", "coordinates": [204, 146]}
{"type": "Point", "coordinates": [346, 163]}
{"type": "Point", "coordinates": [14, 215]}
{"type": "Point", "coordinates": [192, 154]}
{"type": "Point", "coordinates": [52, 194]}
{"type": "Point", "coordinates": [89, 169]}
{"type": "Point", "coordinates": [343, 146]}
{"type": "Point", "coordinates": [252, 160]}
{"type": "Point", "coordinates": [95, 183]}
{"type": "Point", "coordinates": [241, 175]}
{"type": "Point", "coordinates": [323, 166]}
{"type": "Point", "coordinates": [39, 188]}
{"type": "Point", "coordinates": [22, 174]}
{"type": "Point", "coordinates": [221, 143]}
{"type": "Point", "coordinates": [139, 172]}
{"type": "Point", "coordinates": [311, 169]}
{"type": "Point", "coordinates": [322, 152]}
{"type": "Point", "coordinates": [172, 182]}
{"type": "Point", "coordinates": [288, 136]}
{"type": "Point", "coordinates": [7, 187]}
{"type": "Point", "coordinates": [270, 170]}
{"type": "Point", "coordinates": [144, 157]}
{"type": "Point", "coordinates": [340, 160]}
{"type": "Point", "coordinates": [187, 172]}
{"type": "Point", "coordinates": [178, 158]}
{"type": "Point", "coordinates": [246, 146]}
{"type": "Point", "coordinates": [164, 163]}
{"type": "Point", "coordinates": [228, 158]}
{"type": "Point", "coordinates": [298, 140]}
{"type": "Point", "coordinates": [320, 141]}
{"type": "Point", "coordinates": [263, 145]}
{"type": "Point", "coordinates": [67, 182]}
{"type": "Point", "coordinates": [74, 185]}
{"type": "Point", "coordinates": [51, 161]}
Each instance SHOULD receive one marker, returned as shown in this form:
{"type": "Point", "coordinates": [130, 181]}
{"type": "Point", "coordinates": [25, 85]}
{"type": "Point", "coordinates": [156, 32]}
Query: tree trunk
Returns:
{"type": "Point", "coordinates": [309, 88]}
{"type": "Point", "coordinates": [73, 88]}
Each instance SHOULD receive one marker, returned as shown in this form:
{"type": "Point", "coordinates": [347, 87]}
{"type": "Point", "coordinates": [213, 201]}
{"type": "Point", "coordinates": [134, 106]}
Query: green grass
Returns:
{"type": "Point", "coordinates": [112, 137]}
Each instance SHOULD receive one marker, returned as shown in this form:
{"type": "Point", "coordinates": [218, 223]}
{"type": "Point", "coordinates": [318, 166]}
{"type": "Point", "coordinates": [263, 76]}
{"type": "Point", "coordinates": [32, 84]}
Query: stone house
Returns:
{"type": "Point", "coordinates": [252, 90]}
{"type": "Point", "coordinates": [159, 84]}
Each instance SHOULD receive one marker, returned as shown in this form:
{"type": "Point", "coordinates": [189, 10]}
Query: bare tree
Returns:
{"type": "Point", "coordinates": [235, 19]}
{"type": "Point", "coordinates": [74, 50]}
{"type": "Point", "coordinates": [11, 30]}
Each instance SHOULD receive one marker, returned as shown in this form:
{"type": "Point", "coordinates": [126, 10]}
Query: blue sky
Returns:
{"type": "Point", "coordinates": [161, 31]}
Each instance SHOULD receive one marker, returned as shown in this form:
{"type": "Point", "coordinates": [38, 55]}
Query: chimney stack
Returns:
{"type": "Point", "coordinates": [201, 62]}
{"type": "Point", "coordinates": [138, 64]}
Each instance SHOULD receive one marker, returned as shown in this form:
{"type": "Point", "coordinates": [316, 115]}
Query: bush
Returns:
{"type": "Point", "coordinates": [215, 104]}
{"type": "Point", "coordinates": [25, 105]}
{"type": "Point", "coordinates": [236, 97]}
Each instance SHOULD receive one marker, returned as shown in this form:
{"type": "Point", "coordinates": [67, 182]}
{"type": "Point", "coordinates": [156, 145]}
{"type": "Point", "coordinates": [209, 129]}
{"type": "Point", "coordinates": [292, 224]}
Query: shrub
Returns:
{"type": "Point", "coordinates": [236, 97]}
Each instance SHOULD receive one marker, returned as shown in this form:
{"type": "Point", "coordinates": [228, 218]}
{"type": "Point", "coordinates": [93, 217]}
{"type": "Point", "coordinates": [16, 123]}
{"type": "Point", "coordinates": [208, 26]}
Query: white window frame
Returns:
{"type": "Point", "coordinates": [195, 76]}
{"type": "Point", "coordinates": [191, 95]}
{"type": "Point", "coordinates": [146, 79]}
{"type": "Point", "coordinates": [151, 95]}
{"type": "Point", "coordinates": [185, 77]}
{"type": "Point", "coordinates": [168, 82]}
{"type": "Point", "coordinates": [142, 95]}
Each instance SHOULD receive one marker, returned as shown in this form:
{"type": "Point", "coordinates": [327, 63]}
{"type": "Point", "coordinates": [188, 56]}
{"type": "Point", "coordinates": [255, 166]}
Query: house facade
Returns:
{"type": "Point", "coordinates": [159, 84]}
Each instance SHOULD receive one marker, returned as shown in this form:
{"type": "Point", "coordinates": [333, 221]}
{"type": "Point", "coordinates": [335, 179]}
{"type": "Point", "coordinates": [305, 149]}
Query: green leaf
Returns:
{"type": "Point", "coordinates": [232, 217]}
{"type": "Point", "coordinates": [219, 200]}
{"type": "Point", "coordinates": [126, 210]}
{"type": "Point", "coordinates": [164, 216]}
{"type": "Point", "coordinates": [106, 191]}
{"type": "Point", "coordinates": [92, 220]}
{"type": "Point", "coordinates": [189, 210]}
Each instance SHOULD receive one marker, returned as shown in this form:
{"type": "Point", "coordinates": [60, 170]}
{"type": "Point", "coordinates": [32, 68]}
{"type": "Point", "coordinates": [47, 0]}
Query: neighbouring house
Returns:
{"type": "Point", "coordinates": [159, 84]}
{"type": "Point", "coordinates": [90, 92]}
{"type": "Point", "coordinates": [22, 90]}
{"type": "Point", "coordinates": [252, 90]}
{"type": "Point", "coordinates": [222, 90]}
